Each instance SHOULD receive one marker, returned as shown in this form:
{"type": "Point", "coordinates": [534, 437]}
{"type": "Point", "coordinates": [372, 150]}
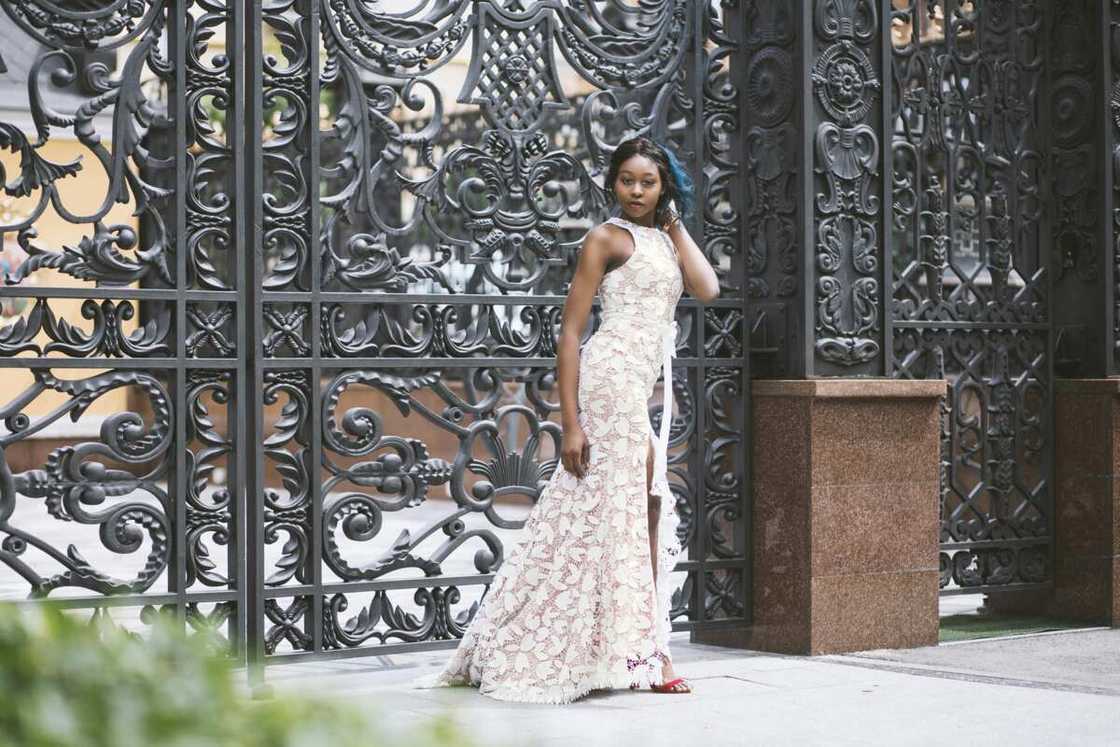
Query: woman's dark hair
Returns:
{"type": "Point", "coordinates": [676, 185]}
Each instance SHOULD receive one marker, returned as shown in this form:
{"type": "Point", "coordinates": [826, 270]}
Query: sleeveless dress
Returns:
{"type": "Point", "coordinates": [573, 607]}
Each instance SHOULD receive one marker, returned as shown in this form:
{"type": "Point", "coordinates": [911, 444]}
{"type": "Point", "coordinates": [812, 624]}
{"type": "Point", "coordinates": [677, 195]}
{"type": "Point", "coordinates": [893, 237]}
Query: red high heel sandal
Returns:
{"type": "Point", "coordinates": [668, 687]}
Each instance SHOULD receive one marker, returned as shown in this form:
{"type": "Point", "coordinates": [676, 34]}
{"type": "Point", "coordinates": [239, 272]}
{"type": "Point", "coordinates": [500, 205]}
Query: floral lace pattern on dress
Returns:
{"type": "Point", "coordinates": [573, 608]}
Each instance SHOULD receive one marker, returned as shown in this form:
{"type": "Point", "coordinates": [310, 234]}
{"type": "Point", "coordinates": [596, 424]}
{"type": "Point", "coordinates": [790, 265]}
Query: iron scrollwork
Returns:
{"type": "Point", "coordinates": [120, 211]}
{"type": "Point", "coordinates": [390, 221]}
{"type": "Point", "coordinates": [971, 271]}
{"type": "Point", "coordinates": [847, 158]}
{"type": "Point", "coordinates": [770, 156]}
{"type": "Point", "coordinates": [76, 479]}
{"type": "Point", "coordinates": [417, 201]}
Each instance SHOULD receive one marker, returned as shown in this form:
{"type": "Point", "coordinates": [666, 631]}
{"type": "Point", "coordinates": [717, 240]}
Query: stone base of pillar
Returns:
{"type": "Point", "coordinates": [1086, 521]}
{"type": "Point", "coordinates": [845, 516]}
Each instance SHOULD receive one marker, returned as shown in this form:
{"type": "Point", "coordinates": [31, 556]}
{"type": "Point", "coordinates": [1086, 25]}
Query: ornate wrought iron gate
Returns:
{"type": "Point", "coordinates": [940, 215]}
{"type": "Point", "coordinates": [991, 115]}
{"type": "Point", "coordinates": [330, 294]}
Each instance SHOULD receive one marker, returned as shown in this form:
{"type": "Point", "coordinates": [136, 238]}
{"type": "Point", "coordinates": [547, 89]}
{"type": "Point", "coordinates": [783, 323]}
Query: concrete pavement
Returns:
{"type": "Point", "coordinates": [1052, 689]}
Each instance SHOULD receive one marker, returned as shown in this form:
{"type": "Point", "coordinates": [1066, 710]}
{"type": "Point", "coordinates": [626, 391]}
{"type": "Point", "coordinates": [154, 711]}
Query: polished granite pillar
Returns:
{"type": "Point", "coordinates": [845, 516]}
{"type": "Point", "coordinates": [1086, 523]}
{"type": "Point", "coordinates": [1087, 499]}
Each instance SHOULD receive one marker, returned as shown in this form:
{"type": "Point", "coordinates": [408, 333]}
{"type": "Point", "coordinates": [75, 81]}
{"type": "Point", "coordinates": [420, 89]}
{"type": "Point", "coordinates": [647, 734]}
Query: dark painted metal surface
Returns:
{"type": "Point", "coordinates": [443, 306]}
{"type": "Point", "coordinates": [119, 254]}
{"type": "Point", "coordinates": [974, 261]}
{"type": "Point", "coordinates": [318, 360]}
{"type": "Point", "coordinates": [930, 205]}
{"type": "Point", "coordinates": [335, 317]}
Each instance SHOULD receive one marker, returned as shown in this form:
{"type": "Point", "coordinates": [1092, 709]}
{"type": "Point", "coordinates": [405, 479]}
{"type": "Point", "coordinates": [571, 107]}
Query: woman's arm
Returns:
{"type": "Point", "coordinates": [593, 261]}
{"type": "Point", "coordinates": [699, 278]}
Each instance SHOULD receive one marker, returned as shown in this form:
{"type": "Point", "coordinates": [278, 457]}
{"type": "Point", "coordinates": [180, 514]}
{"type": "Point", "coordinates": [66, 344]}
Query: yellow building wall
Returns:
{"type": "Point", "coordinates": [81, 194]}
{"type": "Point", "coordinates": [84, 193]}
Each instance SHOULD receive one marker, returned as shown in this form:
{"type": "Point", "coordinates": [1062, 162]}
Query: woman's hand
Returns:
{"type": "Point", "coordinates": [672, 217]}
{"type": "Point", "coordinates": [699, 278]}
{"type": "Point", "coordinates": [575, 451]}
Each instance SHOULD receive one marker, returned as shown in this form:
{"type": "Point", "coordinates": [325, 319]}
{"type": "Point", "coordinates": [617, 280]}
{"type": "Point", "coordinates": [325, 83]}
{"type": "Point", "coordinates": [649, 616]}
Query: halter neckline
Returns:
{"type": "Point", "coordinates": [636, 225]}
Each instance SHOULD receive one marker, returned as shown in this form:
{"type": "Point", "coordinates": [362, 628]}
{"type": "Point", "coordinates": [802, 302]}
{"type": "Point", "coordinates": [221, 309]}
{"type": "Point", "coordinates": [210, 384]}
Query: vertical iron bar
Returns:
{"type": "Point", "coordinates": [737, 72]}
{"type": "Point", "coordinates": [950, 186]}
{"type": "Point", "coordinates": [315, 415]}
{"type": "Point", "coordinates": [241, 434]}
{"type": "Point", "coordinates": [236, 412]}
{"type": "Point", "coordinates": [1107, 223]}
{"type": "Point", "coordinates": [805, 368]}
{"type": "Point", "coordinates": [1046, 247]}
{"type": "Point", "coordinates": [917, 27]}
{"type": "Point", "coordinates": [886, 256]}
{"type": "Point", "coordinates": [177, 105]}
{"type": "Point", "coordinates": [250, 103]}
{"type": "Point", "coordinates": [697, 466]}
{"type": "Point", "coordinates": [949, 189]}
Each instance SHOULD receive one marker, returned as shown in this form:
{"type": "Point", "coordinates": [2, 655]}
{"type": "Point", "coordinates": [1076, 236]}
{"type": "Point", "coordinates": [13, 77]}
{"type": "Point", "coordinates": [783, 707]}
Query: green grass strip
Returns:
{"type": "Point", "coordinates": [971, 627]}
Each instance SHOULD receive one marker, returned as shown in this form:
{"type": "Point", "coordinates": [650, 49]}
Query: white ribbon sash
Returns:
{"type": "Point", "coordinates": [661, 451]}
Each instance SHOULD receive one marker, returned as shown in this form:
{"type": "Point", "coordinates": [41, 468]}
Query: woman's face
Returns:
{"type": "Point", "coordinates": [638, 187]}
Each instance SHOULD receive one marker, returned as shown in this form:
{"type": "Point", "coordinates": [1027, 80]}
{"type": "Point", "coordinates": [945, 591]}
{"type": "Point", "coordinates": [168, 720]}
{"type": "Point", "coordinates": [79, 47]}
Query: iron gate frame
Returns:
{"type": "Point", "coordinates": [217, 300]}
{"type": "Point", "coordinates": [241, 81]}
{"type": "Point", "coordinates": [978, 65]}
{"type": "Point", "coordinates": [160, 359]}
{"type": "Point", "coordinates": [259, 595]}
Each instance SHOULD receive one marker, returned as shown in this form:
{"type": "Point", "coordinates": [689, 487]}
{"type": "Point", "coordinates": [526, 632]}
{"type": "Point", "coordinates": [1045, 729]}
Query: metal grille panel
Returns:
{"type": "Point", "coordinates": [971, 281]}
{"type": "Point", "coordinates": [282, 291]}
{"type": "Point", "coordinates": [408, 349]}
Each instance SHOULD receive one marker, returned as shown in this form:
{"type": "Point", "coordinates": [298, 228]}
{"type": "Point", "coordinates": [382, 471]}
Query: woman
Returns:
{"type": "Point", "coordinates": [576, 605]}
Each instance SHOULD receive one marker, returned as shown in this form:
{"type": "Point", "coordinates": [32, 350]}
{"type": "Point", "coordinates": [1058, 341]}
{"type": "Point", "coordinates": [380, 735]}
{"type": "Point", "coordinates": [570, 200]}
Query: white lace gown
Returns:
{"type": "Point", "coordinates": [573, 607]}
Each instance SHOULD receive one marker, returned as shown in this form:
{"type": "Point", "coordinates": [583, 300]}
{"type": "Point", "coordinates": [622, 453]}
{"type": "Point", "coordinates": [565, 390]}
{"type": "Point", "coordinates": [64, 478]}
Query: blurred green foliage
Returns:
{"type": "Point", "coordinates": [66, 682]}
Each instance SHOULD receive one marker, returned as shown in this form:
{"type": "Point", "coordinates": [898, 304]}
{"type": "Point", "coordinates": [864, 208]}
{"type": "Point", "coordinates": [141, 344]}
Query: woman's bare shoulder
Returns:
{"type": "Point", "coordinates": [609, 236]}
{"type": "Point", "coordinates": [605, 229]}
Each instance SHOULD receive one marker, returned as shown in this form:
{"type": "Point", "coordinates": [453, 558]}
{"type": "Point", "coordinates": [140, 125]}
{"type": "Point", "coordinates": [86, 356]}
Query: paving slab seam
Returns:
{"type": "Point", "coordinates": [753, 682]}
{"type": "Point", "coordinates": [1025, 635]}
{"type": "Point", "coordinates": [964, 675]}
